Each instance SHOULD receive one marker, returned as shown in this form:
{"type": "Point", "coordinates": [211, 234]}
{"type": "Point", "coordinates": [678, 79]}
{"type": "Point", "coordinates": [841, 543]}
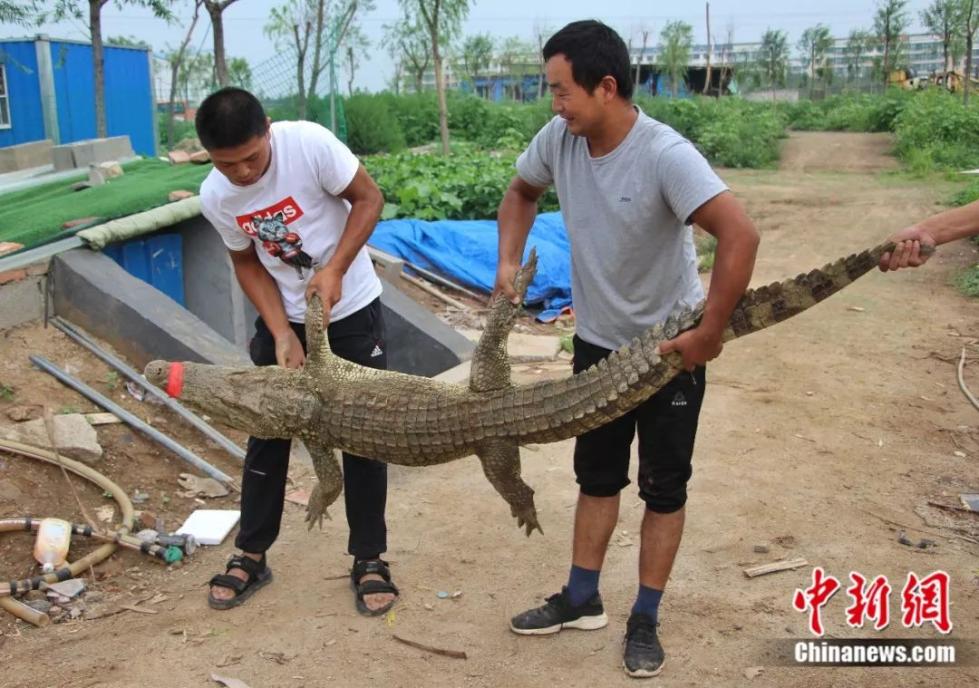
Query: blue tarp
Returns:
{"type": "Point", "coordinates": [466, 252]}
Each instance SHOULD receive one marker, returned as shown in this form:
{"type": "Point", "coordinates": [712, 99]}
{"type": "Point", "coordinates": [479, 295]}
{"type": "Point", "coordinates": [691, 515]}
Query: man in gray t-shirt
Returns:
{"type": "Point", "coordinates": [629, 189]}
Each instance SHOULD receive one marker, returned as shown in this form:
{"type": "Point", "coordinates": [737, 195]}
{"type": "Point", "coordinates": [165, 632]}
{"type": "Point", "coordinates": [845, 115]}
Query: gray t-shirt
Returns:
{"type": "Point", "coordinates": [627, 213]}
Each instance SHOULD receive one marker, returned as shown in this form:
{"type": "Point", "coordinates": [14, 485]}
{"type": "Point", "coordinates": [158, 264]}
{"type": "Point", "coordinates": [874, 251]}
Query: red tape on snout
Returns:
{"type": "Point", "coordinates": [175, 380]}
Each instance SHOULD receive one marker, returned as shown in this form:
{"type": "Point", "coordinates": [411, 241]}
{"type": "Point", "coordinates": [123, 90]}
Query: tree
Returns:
{"type": "Point", "coordinates": [889, 23]}
{"type": "Point", "coordinates": [542, 33]}
{"type": "Point", "coordinates": [513, 61]}
{"type": "Point", "coordinates": [303, 21]}
{"type": "Point", "coordinates": [24, 13]}
{"type": "Point", "coordinates": [240, 73]}
{"type": "Point", "coordinates": [70, 8]}
{"type": "Point", "coordinates": [442, 19]}
{"type": "Point", "coordinates": [676, 39]}
{"type": "Point", "coordinates": [857, 45]}
{"type": "Point", "coordinates": [644, 32]}
{"type": "Point", "coordinates": [176, 59]}
{"type": "Point", "coordinates": [814, 44]}
{"type": "Point", "coordinates": [943, 18]}
{"type": "Point", "coordinates": [475, 55]}
{"type": "Point", "coordinates": [353, 49]}
{"type": "Point", "coordinates": [408, 45]}
{"type": "Point", "coordinates": [128, 42]}
{"type": "Point", "coordinates": [773, 58]}
{"type": "Point", "coordinates": [215, 9]}
{"type": "Point", "coordinates": [970, 22]}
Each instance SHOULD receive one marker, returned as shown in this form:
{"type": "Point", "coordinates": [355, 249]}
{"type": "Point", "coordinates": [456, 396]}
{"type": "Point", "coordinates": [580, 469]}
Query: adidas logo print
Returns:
{"type": "Point", "coordinates": [377, 351]}
{"type": "Point", "coordinates": [679, 400]}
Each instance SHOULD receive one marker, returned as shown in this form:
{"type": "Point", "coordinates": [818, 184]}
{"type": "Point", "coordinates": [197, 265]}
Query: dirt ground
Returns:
{"type": "Point", "coordinates": [817, 436]}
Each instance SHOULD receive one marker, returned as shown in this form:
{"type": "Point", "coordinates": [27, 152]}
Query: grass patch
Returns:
{"type": "Point", "coordinates": [706, 245]}
{"type": "Point", "coordinates": [32, 216]}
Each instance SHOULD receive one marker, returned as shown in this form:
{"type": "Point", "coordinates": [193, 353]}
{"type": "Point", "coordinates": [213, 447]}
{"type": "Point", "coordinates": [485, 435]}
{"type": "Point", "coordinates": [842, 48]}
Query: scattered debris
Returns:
{"type": "Point", "coordinates": [180, 195]}
{"type": "Point", "coordinates": [229, 682]}
{"type": "Point", "coordinates": [106, 513]}
{"type": "Point", "coordinates": [78, 222]}
{"type": "Point", "coordinates": [21, 413]}
{"type": "Point", "coordinates": [774, 567]}
{"type": "Point", "coordinates": [9, 247]}
{"type": "Point", "coordinates": [442, 594]}
{"type": "Point", "coordinates": [80, 186]}
{"type": "Point", "coordinates": [960, 454]}
{"type": "Point", "coordinates": [149, 520]}
{"type": "Point", "coordinates": [178, 157]}
{"type": "Point", "coordinates": [277, 657]}
{"type": "Point", "coordinates": [456, 595]}
{"type": "Point", "coordinates": [455, 654]}
{"type": "Point", "coordinates": [786, 541]}
{"type": "Point", "coordinates": [855, 309]}
{"type": "Point", "coordinates": [924, 543]}
{"type": "Point", "coordinates": [73, 435]}
{"type": "Point", "coordinates": [755, 671]}
{"type": "Point", "coordinates": [70, 588]}
{"type": "Point", "coordinates": [42, 606]}
{"type": "Point", "coordinates": [760, 549]}
{"type": "Point", "coordinates": [970, 501]}
{"type": "Point", "coordinates": [204, 487]}
{"type": "Point", "coordinates": [140, 497]}
{"type": "Point", "coordinates": [102, 418]}
{"type": "Point", "coordinates": [134, 608]}
{"type": "Point", "coordinates": [148, 535]}
{"type": "Point", "coordinates": [299, 496]}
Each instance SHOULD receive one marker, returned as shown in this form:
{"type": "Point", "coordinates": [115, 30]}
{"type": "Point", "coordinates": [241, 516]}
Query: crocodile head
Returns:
{"type": "Point", "coordinates": [264, 401]}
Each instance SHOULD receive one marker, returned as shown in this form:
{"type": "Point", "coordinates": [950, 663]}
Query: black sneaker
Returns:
{"type": "Point", "coordinates": [558, 614]}
{"type": "Point", "coordinates": [643, 656]}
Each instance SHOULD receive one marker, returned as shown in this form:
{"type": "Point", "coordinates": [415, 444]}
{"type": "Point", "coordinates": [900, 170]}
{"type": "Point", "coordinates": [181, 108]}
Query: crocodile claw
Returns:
{"type": "Point", "coordinates": [527, 519]}
{"type": "Point", "coordinates": [316, 508]}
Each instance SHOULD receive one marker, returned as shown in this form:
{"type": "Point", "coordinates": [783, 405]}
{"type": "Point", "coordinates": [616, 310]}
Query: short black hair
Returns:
{"type": "Point", "coordinates": [594, 51]}
{"type": "Point", "coordinates": [229, 117]}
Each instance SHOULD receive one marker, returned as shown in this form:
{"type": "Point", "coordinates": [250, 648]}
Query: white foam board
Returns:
{"type": "Point", "coordinates": [210, 526]}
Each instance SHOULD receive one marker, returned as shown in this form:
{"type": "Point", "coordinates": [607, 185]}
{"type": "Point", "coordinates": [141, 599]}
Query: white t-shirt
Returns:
{"type": "Point", "coordinates": [295, 216]}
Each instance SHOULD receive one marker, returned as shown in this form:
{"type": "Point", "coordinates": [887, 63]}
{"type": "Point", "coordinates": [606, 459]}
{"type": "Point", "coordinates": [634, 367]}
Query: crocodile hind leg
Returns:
{"type": "Point", "coordinates": [329, 485]}
{"type": "Point", "coordinates": [501, 465]}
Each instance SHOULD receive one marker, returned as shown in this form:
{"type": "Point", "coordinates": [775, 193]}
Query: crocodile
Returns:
{"type": "Point", "coordinates": [334, 404]}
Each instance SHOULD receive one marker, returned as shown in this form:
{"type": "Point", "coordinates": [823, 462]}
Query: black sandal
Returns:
{"type": "Point", "coordinates": [379, 567]}
{"type": "Point", "coordinates": [258, 575]}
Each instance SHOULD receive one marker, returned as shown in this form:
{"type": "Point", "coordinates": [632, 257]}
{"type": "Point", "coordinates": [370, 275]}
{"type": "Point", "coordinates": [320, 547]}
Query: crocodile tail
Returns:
{"type": "Point", "coordinates": [556, 410]}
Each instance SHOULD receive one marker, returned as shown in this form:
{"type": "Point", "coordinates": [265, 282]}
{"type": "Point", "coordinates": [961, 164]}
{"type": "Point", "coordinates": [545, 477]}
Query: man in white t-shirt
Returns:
{"type": "Point", "coordinates": [295, 208]}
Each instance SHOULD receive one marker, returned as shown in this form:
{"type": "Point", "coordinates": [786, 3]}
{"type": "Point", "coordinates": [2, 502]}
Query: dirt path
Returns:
{"type": "Point", "coordinates": [812, 434]}
{"type": "Point", "coordinates": [818, 151]}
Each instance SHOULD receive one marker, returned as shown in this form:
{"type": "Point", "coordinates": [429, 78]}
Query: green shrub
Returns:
{"type": "Point", "coordinates": [371, 128]}
{"type": "Point", "coordinates": [935, 131]}
{"type": "Point", "coordinates": [467, 185]}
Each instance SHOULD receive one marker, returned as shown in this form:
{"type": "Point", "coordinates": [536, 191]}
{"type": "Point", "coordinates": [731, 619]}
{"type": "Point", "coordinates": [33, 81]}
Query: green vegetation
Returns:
{"type": "Point", "coordinates": [34, 215]}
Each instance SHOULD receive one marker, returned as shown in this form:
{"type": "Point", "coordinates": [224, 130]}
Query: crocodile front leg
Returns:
{"type": "Point", "coordinates": [501, 465]}
{"type": "Point", "coordinates": [329, 485]}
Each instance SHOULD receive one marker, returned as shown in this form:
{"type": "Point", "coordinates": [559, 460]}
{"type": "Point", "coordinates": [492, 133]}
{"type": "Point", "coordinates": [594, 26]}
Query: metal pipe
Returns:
{"type": "Point", "coordinates": [175, 406]}
{"type": "Point", "coordinates": [151, 432]}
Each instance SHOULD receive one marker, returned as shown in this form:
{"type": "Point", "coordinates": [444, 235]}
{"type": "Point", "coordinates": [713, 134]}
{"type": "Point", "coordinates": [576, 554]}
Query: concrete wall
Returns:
{"type": "Point", "coordinates": [22, 294]}
{"type": "Point", "coordinates": [94, 292]}
{"type": "Point", "coordinates": [211, 291]}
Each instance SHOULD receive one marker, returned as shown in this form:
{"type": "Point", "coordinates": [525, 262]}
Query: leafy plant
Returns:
{"type": "Point", "coordinates": [6, 392]}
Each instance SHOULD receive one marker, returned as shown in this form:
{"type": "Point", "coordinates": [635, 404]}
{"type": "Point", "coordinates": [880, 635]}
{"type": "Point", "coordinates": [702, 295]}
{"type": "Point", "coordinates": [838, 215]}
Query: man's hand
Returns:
{"type": "Point", "coordinates": [908, 252]}
{"type": "Point", "coordinates": [327, 284]}
{"type": "Point", "coordinates": [505, 274]}
{"type": "Point", "coordinates": [289, 350]}
{"type": "Point", "coordinates": [697, 346]}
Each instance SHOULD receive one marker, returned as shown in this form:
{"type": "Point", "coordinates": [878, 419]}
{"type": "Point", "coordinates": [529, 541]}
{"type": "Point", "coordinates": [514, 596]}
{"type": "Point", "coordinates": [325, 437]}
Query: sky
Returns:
{"type": "Point", "coordinates": [244, 20]}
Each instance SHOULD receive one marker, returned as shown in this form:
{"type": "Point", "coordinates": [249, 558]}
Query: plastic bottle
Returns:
{"type": "Point", "coordinates": [52, 543]}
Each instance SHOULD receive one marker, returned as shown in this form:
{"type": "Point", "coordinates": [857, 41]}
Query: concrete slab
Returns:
{"type": "Point", "coordinates": [142, 323]}
{"type": "Point", "coordinates": [523, 345]}
{"type": "Point", "coordinates": [24, 156]}
{"type": "Point", "coordinates": [81, 154]}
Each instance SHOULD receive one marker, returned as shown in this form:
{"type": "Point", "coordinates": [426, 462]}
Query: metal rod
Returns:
{"type": "Point", "coordinates": [151, 432]}
{"type": "Point", "coordinates": [134, 375]}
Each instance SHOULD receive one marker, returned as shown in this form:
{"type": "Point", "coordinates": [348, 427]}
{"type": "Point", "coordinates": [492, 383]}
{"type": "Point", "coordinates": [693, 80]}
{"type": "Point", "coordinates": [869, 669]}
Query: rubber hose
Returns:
{"type": "Point", "coordinates": [92, 558]}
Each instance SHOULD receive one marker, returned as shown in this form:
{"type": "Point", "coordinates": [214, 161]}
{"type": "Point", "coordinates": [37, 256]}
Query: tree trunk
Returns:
{"type": "Point", "coordinates": [968, 64]}
{"type": "Point", "coordinates": [217, 27]}
{"type": "Point", "coordinates": [353, 67]}
{"type": "Point", "coordinates": [812, 68]}
{"type": "Point", "coordinates": [707, 80]}
{"type": "Point", "coordinates": [317, 49]}
{"type": "Point", "coordinates": [98, 64]}
{"type": "Point", "coordinates": [645, 37]}
{"type": "Point", "coordinates": [175, 65]}
{"type": "Point", "coordinates": [440, 90]}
